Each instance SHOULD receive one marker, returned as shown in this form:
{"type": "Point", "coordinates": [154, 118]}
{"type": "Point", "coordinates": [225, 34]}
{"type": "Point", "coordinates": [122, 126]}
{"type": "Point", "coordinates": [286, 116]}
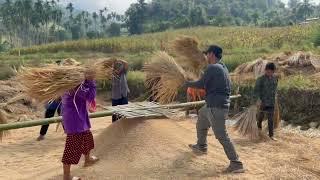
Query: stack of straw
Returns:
{"type": "Point", "coordinates": [188, 54]}
{"type": "Point", "coordinates": [165, 77]}
{"type": "Point", "coordinates": [246, 123]}
{"type": "Point", "coordinates": [51, 82]}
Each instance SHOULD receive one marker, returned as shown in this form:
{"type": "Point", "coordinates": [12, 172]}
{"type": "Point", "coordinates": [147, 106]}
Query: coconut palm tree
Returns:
{"type": "Point", "coordinates": [95, 18]}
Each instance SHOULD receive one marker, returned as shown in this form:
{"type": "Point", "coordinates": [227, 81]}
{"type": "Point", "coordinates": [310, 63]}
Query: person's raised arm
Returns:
{"type": "Point", "coordinates": [199, 84]}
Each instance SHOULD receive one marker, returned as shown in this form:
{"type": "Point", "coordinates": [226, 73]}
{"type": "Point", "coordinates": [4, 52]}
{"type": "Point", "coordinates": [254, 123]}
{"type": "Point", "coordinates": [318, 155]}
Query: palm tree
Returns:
{"type": "Point", "coordinates": [305, 9]}
{"type": "Point", "coordinates": [95, 17]}
{"type": "Point", "coordinates": [70, 8]}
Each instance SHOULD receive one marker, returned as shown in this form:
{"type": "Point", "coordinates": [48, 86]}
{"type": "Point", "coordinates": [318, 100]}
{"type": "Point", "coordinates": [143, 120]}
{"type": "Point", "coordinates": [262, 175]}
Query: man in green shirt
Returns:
{"type": "Point", "coordinates": [265, 93]}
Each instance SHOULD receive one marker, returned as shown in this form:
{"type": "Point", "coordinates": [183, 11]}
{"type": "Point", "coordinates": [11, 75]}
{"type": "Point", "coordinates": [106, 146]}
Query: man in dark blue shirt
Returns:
{"type": "Point", "coordinates": [216, 82]}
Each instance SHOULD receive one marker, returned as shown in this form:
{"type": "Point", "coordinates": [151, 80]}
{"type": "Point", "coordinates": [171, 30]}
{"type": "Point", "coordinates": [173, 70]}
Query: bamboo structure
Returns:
{"type": "Point", "coordinates": [40, 122]}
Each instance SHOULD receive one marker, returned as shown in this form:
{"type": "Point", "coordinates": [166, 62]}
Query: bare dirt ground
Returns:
{"type": "Point", "coordinates": [157, 149]}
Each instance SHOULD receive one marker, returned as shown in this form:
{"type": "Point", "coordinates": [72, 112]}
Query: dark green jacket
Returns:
{"type": "Point", "coordinates": [266, 90]}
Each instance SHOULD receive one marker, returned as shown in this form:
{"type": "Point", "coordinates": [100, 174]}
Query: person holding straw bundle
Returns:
{"type": "Point", "coordinates": [120, 87]}
{"type": "Point", "coordinates": [265, 95]}
{"type": "Point", "coordinates": [216, 82]}
{"type": "Point", "coordinates": [77, 125]}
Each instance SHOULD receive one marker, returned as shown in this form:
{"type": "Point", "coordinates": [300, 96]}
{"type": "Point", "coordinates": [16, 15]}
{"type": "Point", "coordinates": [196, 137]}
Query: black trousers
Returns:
{"type": "Point", "coordinates": [118, 102]}
{"type": "Point", "coordinates": [270, 112]}
{"type": "Point", "coordinates": [48, 114]}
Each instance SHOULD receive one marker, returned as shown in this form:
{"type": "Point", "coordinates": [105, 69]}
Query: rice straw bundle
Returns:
{"type": "Point", "coordinates": [51, 82]}
{"type": "Point", "coordinates": [165, 77]}
{"type": "Point", "coordinates": [276, 116]}
{"type": "Point", "coordinates": [103, 68]}
{"type": "Point", "coordinates": [246, 123]}
{"type": "Point", "coordinates": [189, 56]}
{"type": "Point", "coordinates": [3, 120]}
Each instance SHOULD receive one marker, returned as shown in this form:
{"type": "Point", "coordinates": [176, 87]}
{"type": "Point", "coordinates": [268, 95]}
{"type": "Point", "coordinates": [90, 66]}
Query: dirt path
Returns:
{"type": "Point", "coordinates": [157, 149]}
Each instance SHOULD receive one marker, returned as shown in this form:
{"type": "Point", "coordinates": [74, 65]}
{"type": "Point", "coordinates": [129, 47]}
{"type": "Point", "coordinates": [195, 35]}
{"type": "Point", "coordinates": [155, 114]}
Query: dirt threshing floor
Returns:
{"type": "Point", "coordinates": [157, 149]}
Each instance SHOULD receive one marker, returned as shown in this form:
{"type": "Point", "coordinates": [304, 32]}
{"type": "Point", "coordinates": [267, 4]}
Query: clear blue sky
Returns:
{"type": "Point", "coordinates": [119, 6]}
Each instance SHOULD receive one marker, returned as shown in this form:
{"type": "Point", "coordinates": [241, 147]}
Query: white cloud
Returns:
{"type": "Point", "coordinates": [119, 6]}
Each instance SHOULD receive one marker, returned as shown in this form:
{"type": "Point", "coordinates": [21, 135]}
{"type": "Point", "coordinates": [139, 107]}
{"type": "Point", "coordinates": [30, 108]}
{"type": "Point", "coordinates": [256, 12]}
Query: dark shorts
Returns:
{"type": "Point", "coordinates": [76, 145]}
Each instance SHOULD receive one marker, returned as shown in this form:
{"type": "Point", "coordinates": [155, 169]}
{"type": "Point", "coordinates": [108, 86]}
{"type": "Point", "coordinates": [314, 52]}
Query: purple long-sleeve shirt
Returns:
{"type": "Point", "coordinates": [75, 115]}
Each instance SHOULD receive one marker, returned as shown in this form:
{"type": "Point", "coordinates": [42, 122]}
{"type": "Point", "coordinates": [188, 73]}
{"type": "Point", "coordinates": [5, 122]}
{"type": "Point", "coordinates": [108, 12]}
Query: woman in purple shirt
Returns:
{"type": "Point", "coordinates": [77, 125]}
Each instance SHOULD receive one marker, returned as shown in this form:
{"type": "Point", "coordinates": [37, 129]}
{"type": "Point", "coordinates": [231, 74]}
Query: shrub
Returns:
{"type": "Point", "coordinates": [316, 39]}
{"type": "Point", "coordinates": [136, 80]}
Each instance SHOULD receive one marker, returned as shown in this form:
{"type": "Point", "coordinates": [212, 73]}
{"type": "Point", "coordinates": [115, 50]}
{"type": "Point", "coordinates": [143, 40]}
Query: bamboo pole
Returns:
{"type": "Point", "coordinates": [40, 122]}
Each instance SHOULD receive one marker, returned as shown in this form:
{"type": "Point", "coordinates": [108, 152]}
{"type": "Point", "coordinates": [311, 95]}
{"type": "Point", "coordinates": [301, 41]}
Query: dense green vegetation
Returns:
{"type": "Point", "coordinates": [159, 15]}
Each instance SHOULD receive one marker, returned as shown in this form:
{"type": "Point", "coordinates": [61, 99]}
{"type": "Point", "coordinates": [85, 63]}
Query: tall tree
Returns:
{"type": "Point", "coordinates": [135, 17]}
{"type": "Point", "coordinates": [305, 9]}
{"type": "Point", "coordinates": [95, 19]}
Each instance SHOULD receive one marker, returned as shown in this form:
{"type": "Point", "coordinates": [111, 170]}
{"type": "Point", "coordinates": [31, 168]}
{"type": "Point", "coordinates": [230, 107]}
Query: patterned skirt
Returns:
{"type": "Point", "coordinates": [76, 145]}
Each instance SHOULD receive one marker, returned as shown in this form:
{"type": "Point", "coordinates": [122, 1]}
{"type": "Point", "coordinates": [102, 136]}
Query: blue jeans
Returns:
{"type": "Point", "coordinates": [118, 102]}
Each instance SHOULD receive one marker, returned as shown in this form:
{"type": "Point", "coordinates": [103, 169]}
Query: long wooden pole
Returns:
{"type": "Point", "coordinates": [40, 122]}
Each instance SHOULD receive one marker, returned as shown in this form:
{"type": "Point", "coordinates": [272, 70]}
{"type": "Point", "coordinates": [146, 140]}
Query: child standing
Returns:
{"type": "Point", "coordinates": [77, 125]}
{"type": "Point", "coordinates": [265, 93]}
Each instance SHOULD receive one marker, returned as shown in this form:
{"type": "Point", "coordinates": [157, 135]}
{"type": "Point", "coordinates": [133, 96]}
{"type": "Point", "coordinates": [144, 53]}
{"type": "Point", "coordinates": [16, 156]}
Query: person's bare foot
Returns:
{"type": "Point", "coordinates": [273, 139]}
{"type": "Point", "coordinates": [91, 161]}
{"type": "Point", "coordinates": [40, 138]}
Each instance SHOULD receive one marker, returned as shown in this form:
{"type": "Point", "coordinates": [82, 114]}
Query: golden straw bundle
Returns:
{"type": "Point", "coordinates": [276, 116]}
{"type": "Point", "coordinates": [3, 120]}
{"type": "Point", "coordinates": [51, 82]}
{"type": "Point", "coordinates": [246, 123]}
{"type": "Point", "coordinates": [165, 77]}
{"type": "Point", "coordinates": [188, 53]}
{"type": "Point", "coordinates": [103, 68]}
